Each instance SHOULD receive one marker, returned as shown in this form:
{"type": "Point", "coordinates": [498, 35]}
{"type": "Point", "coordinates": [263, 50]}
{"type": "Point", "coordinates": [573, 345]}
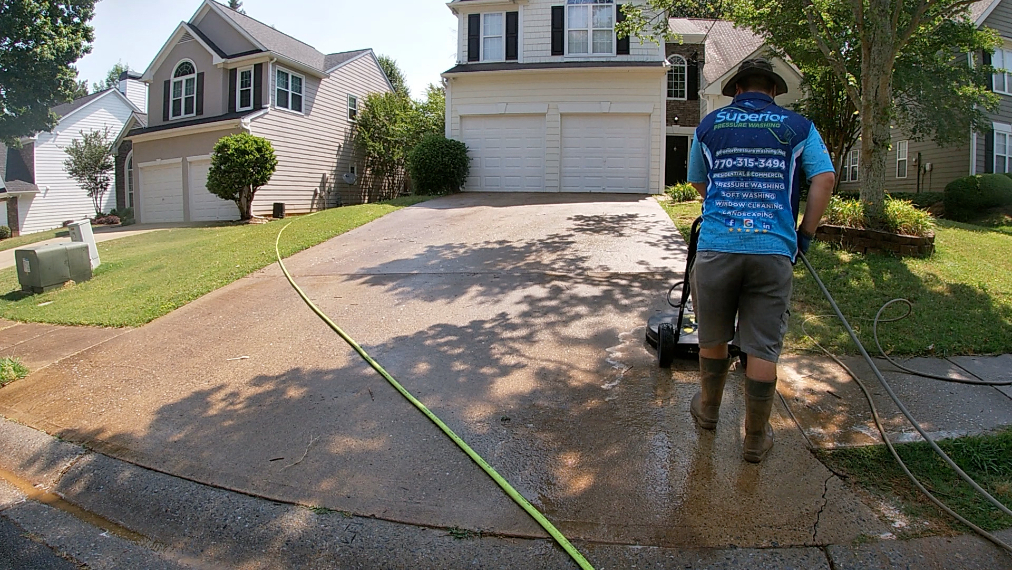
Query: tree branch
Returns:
{"type": "Point", "coordinates": [831, 53]}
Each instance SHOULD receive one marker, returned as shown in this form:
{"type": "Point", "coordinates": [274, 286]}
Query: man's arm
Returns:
{"type": "Point", "coordinates": [701, 188]}
{"type": "Point", "coordinates": [818, 198]}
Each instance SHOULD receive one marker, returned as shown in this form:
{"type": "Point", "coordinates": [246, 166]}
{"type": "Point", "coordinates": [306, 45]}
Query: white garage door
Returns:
{"type": "Point", "coordinates": [507, 152]}
{"type": "Point", "coordinates": [161, 193]}
{"type": "Point", "coordinates": [204, 206]}
{"type": "Point", "coordinates": [606, 153]}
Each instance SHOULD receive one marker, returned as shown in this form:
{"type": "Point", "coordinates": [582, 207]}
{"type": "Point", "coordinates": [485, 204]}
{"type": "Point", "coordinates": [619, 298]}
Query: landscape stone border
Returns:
{"type": "Point", "coordinates": [874, 241]}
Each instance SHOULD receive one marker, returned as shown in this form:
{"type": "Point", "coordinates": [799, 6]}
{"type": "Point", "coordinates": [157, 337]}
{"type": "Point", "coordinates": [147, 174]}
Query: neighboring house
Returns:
{"type": "Point", "coordinates": [548, 99]}
{"type": "Point", "coordinates": [38, 193]}
{"type": "Point", "coordinates": [223, 72]}
{"type": "Point", "coordinates": [923, 166]}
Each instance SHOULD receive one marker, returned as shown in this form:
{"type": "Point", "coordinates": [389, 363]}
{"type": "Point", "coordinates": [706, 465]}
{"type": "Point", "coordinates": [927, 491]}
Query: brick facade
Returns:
{"type": "Point", "coordinates": [124, 149]}
{"type": "Point", "coordinates": [686, 113]}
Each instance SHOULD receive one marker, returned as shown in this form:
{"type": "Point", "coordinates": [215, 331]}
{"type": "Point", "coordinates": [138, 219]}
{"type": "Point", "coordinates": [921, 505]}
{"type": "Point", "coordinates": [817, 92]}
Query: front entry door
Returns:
{"type": "Point", "coordinates": [677, 169]}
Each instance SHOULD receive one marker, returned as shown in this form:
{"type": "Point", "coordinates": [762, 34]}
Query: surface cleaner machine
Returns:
{"type": "Point", "coordinates": [675, 333]}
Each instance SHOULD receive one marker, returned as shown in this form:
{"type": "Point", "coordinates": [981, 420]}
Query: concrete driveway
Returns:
{"type": "Point", "coordinates": [518, 319]}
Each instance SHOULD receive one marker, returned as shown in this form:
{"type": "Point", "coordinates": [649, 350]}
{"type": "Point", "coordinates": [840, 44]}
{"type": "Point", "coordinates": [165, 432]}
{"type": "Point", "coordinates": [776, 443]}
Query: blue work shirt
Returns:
{"type": "Point", "coordinates": [751, 156]}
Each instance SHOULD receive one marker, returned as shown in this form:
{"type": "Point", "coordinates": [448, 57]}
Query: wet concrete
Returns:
{"type": "Point", "coordinates": [833, 412]}
{"type": "Point", "coordinates": [518, 320]}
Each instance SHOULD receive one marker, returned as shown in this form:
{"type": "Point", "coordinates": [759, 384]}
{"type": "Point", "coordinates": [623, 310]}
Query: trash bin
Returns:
{"type": "Point", "coordinates": [279, 210]}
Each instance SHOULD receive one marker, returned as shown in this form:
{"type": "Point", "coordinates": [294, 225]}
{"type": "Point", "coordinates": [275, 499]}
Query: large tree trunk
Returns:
{"type": "Point", "coordinates": [876, 105]}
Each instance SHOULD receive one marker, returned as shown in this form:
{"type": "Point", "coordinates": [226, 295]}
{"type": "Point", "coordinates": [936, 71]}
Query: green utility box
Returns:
{"type": "Point", "coordinates": [46, 267]}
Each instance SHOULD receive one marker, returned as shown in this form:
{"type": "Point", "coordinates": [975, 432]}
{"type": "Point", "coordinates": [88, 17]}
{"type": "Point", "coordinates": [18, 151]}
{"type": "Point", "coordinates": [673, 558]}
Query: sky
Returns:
{"type": "Point", "coordinates": [419, 34]}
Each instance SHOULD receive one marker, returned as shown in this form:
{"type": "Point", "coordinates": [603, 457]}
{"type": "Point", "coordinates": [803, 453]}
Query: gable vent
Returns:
{"type": "Point", "coordinates": [186, 38]}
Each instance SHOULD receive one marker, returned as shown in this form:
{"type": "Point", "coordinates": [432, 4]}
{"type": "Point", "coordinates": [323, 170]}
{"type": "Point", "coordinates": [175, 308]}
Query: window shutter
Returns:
{"type": "Point", "coordinates": [621, 45]}
{"type": "Point", "coordinates": [233, 78]}
{"type": "Point", "coordinates": [473, 37]}
{"type": "Point", "coordinates": [200, 93]}
{"type": "Point", "coordinates": [986, 59]}
{"type": "Point", "coordinates": [558, 30]}
{"type": "Point", "coordinates": [258, 86]}
{"type": "Point", "coordinates": [165, 100]}
{"type": "Point", "coordinates": [692, 80]}
{"type": "Point", "coordinates": [512, 35]}
{"type": "Point", "coordinates": [989, 151]}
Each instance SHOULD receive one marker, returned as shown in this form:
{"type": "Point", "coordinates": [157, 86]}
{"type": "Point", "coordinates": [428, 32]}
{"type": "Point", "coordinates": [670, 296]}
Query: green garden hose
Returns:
{"type": "Point", "coordinates": [516, 496]}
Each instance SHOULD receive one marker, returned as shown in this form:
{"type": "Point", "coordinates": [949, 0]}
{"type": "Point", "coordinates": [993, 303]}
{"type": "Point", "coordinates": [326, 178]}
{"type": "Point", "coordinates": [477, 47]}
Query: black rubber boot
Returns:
{"type": "Point", "coordinates": [759, 398]}
{"type": "Point", "coordinates": [705, 407]}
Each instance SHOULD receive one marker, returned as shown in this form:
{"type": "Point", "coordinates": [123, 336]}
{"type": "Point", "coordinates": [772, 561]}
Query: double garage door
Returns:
{"type": "Point", "coordinates": [599, 153]}
{"type": "Point", "coordinates": [162, 194]}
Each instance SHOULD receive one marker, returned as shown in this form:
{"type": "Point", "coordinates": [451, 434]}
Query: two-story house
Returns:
{"type": "Point", "coordinates": [223, 72]}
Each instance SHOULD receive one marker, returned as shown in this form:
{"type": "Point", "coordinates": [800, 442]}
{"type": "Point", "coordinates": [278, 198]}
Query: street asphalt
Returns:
{"type": "Point", "coordinates": [240, 432]}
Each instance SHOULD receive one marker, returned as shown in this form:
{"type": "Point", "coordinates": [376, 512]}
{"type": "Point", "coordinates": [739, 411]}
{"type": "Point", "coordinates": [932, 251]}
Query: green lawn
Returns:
{"type": "Point", "coordinates": [146, 276]}
{"type": "Point", "coordinates": [962, 295]}
{"type": "Point", "coordinates": [11, 243]}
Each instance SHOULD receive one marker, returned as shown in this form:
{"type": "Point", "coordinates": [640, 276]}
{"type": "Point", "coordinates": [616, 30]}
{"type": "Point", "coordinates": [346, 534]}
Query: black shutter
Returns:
{"type": "Point", "coordinates": [692, 80]}
{"type": "Point", "coordinates": [986, 59]}
{"type": "Point", "coordinates": [558, 30]}
{"type": "Point", "coordinates": [989, 151]}
{"type": "Point", "coordinates": [622, 44]}
{"type": "Point", "coordinates": [474, 37]}
{"type": "Point", "coordinates": [258, 86]}
{"type": "Point", "coordinates": [166, 100]}
{"type": "Point", "coordinates": [512, 35]}
{"type": "Point", "coordinates": [233, 78]}
{"type": "Point", "coordinates": [200, 93]}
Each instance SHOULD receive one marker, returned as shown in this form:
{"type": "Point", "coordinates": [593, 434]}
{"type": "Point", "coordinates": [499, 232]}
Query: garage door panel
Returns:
{"type": "Point", "coordinates": [606, 153]}
{"type": "Point", "coordinates": [205, 206]}
{"type": "Point", "coordinates": [161, 190]}
{"type": "Point", "coordinates": [507, 152]}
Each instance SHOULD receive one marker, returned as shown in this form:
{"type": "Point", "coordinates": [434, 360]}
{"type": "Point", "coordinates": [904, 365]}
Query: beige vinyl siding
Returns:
{"type": "Point", "coordinates": [215, 82]}
{"type": "Point", "coordinates": [607, 89]}
{"type": "Point", "coordinates": [60, 197]}
{"type": "Point", "coordinates": [947, 164]}
{"type": "Point", "coordinates": [225, 35]}
{"type": "Point", "coordinates": [315, 149]}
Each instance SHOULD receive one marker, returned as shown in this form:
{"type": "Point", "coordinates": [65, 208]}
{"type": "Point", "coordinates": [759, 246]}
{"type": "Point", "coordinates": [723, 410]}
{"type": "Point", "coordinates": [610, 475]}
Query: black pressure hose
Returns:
{"type": "Point", "coordinates": [903, 409]}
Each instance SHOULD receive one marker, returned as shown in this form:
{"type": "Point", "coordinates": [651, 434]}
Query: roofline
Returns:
{"type": "Point", "coordinates": [987, 12]}
{"type": "Point", "coordinates": [214, 6]}
{"type": "Point", "coordinates": [149, 73]}
{"type": "Point", "coordinates": [755, 53]}
{"type": "Point", "coordinates": [375, 59]}
{"type": "Point", "coordinates": [99, 98]}
{"type": "Point", "coordinates": [346, 62]}
{"type": "Point", "coordinates": [297, 65]}
{"type": "Point", "coordinates": [183, 131]}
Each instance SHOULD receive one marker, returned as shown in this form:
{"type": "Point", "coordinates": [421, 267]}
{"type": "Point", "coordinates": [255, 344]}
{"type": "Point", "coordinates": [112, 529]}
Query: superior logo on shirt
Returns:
{"type": "Point", "coordinates": [734, 116]}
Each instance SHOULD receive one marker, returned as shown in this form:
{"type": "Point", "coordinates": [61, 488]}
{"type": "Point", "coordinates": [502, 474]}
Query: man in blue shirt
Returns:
{"type": "Point", "coordinates": [747, 160]}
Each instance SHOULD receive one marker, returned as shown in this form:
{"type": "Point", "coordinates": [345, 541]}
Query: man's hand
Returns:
{"type": "Point", "coordinates": [804, 241]}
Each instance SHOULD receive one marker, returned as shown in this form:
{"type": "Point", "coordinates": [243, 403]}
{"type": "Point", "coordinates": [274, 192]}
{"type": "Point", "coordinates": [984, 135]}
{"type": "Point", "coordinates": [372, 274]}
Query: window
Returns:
{"type": "Point", "coordinates": [1002, 136]}
{"type": "Point", "coordinates": [850, 166]}
{"type": "Point", "coordinates": [493, 37]}
{"type": "Point", "coordinates": [901, 159]}
{"type": "Point", "coordinates": [244, 90]}
{"type": "Point", "coordinates": [289, 90]}
{"type": "Point", "coordinates": [184, 91]}
{"type": "Point", "coordinates": [590, 27]}
{"type": "Point", "coordinates": [677, 77]}
{"type": "Point", "coordinates": [352, 107]}
{"type": "Point", "coordinates": [1002, 80]}
{"type": "Point", "coordinates": [130, 180]}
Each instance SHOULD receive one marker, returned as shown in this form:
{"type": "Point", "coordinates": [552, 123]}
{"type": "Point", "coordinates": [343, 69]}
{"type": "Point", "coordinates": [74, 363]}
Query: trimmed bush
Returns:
{"type": "Point", "coordinates": [969, 196]}
{"type": "Point", "coordinates": [5, 232]}
{"type": "Point", "coordinates": [682, 192]}
{"type": "Point", "coordinates": [240, 165]}
{"type": "Point", "coordinates": [438, 165]}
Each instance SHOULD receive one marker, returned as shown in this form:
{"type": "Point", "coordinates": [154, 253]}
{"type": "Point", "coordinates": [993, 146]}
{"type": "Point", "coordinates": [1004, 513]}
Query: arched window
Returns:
{"type": "Point", "coordinates": [129, 198]}
{"type": "Point", "coordinates": [677, 74]}
{"type": "Point", "coordinates": [184, 90]}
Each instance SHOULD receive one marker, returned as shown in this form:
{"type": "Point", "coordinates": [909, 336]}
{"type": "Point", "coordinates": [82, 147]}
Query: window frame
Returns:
{"type": "Point", "coordinates": [128, 198]}
{"type": "Point", "coordinates": [482, 36]}
{"type": "Point", "coordinates": [239, 88]}
{"type": "Point", "coordinates": [1005, 131]}
{"type": "Point", "coordinates": [590, 29]}
{"type": "Point", "coordinates": [1006, 76]}
{"type": "Point", "coordinates": [905, 144]}
{"type": "Point", "coordinates": [352, 109]}
{"type": "Point", "coordinates": [685, 78]}
{"type": "Point", "coordinates": [182, 80]}
{"type": "Point", "coordinates": [851, 166]}
{"type": "Point", "coordinates": [288, 90]}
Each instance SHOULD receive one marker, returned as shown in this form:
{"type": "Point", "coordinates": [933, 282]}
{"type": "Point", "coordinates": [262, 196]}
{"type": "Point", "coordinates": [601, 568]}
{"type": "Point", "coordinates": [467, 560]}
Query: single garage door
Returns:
{"type": "Point", "coordinates": [204, 206]}
{"type": "Point", "coordinates": [606, 153]}
{"type": "Point", "coordinates": [161, 193]}
{"type": "Point", "coordinates": [507, 152]}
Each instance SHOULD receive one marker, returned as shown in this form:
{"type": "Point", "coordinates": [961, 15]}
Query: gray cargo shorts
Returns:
{"type": "Point", "coordinates": [756, 288]}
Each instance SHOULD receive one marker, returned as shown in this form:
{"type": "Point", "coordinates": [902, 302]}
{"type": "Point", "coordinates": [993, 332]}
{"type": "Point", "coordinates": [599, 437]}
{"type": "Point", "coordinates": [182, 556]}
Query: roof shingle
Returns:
{"type": "Point", "coordinates": [277, 42]}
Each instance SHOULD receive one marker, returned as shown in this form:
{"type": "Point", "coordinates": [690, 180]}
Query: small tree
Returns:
{"type": "Point", "coordinates": [438, 165]}
{"type": "Point", "coordinates": [240, 165]}
{"type": "Point", "coordinates": [111, 78]}
{"type": "Point", "coordinates": [236, 5]}
{"type": "Point", "coordinates": [90, 163]}
{"type": "Point", "coordinates": [394, 74]}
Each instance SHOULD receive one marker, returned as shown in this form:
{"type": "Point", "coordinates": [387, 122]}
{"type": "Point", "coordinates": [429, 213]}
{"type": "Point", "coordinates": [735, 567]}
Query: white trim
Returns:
{"type": "Point", "coordinates": [1001, 127]}
{"type": "Point", "coordinates": [356, 58]}
{"type": "Point", "coordinates": [159, 162]}
{"type": "Point", "coordinates": [355, 108]}
{"type": "Point", "coordinates": [129, 190]}
{"type": "Point", "coordinates": [238, 87]}
{"type": "Point", "coordinates": [242, 31]}
{"type": "Point", "coordinates": [987, 12]}
{"type": "Point", "coordinates": [198, 158]}
{"type": "Point", "coordinates": [526, 109]}
{"type": "Point", "coordinates": [590, 31]}
{"type": "Point", "coordinates": [183, 96]}
{"type": "Point", "coordinates": [481, 38]}
{"type": "Point", "coordinates": [973, 153]}
{"type": "Point", "coordinates": [163, 54]}
{"type": "Point", "coordinates": [667, 77]}
{"type": "Point", "coordinates": [1006, 60]}
{"type": "Point", "coordinates": [184, 131]}
{"type": "Point", "coordinates": [86, 105]}
{"type": "Point", "coordinates": [673, 130]}
{"type": "Point", "coordinates": [302, 93]}
{"type": "Point", "coordinates": [463, 7]}
{"type": "Point", "coordinates": [905, 159]}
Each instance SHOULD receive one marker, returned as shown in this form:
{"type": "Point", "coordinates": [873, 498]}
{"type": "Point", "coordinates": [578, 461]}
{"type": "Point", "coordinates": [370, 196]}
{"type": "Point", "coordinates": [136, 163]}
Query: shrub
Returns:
{"type": "Point", "coordinates": [11, 369]}
{"type": "Point", "coordinates": [240, 165]}
{"type": "Point", "coordinates": [844, 212]}
{"type": "Point", "coordinates": [438, 165]}
{"type": "Point", "coordinates": [968, 196]}
{"type": "Point", "coordinates": [5, 232]}
{"type": "Point", "coordinates": [682, 192]}
{"type": "Point", "coordinates": [901, 216]}
{"type": "Point", "coordinates": [109, 220]}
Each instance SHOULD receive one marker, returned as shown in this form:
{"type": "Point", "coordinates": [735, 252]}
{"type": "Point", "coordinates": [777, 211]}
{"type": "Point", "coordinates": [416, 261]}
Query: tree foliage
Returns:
{"type": "Point", "coordinates": [394, 74]}
{"type": "Point", "coordinates": [236, 5]}
{"type": "Point", "coordinates": [89, 162]}
{"type": "Point", "coordinates": [438, 165]}
{"type": "Point", "coordinates": [240, 165]}
{"type": "Point", "coordinates": [111, 78]}
{"type": "Point", "coordinates": [80, 90]}
{"type": "Point", "coordinates": [826, 103]}
{"type": "Point", "coordinates": [39, 39]}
